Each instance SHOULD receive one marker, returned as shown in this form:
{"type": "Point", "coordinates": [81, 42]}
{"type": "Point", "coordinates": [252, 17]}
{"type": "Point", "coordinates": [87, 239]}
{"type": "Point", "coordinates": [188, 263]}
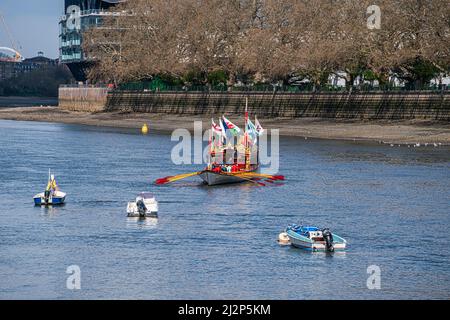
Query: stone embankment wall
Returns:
{"type": "Point", "coordinates": [87, 99]}
{"type": "Point", "coordinates": [363, 106]}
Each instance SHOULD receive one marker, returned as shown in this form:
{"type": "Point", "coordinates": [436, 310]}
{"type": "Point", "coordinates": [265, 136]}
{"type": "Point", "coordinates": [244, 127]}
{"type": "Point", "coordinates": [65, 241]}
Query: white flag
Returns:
{"type": "Point", "coordinates": [218, 129]}
{"type": "Point", "coordinates": [259, 128]}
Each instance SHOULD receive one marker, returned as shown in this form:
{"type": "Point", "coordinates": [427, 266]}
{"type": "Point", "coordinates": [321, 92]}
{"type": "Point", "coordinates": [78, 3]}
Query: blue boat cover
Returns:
{"type": "Point", "coordinates": [302, 229]}
{"type": "Point", "coordinates": [309, 228]}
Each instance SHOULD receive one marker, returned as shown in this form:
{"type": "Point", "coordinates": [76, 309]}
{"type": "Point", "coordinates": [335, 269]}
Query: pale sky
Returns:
{"type": "Point", "coordinates": [33, 24]}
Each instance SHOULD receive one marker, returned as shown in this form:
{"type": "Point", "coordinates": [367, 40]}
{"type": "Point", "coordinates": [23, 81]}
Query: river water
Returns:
{"type": "Point", "coordinates": [390, 203]}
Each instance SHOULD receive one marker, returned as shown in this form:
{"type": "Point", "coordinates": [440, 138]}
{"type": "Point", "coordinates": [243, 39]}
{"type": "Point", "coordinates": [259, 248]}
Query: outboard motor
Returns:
{"type": "Point", "coordinates": [46, 196]}
{"type": "Point", "coordinates": [328, 237]}
{"type": "Point", "coordinates": [141, 208]}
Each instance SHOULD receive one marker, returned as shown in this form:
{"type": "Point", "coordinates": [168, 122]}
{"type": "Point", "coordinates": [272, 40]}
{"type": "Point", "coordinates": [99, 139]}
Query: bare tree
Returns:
{"type": "Point", "coordinates": [269, 40]}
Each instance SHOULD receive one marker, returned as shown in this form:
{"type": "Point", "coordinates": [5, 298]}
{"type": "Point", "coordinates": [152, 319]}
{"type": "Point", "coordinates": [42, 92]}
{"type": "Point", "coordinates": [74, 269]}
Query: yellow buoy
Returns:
{"type": "Point", "coordinates": [144, 129]}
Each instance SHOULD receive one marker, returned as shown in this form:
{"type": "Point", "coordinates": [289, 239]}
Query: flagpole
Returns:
{"type": "Point", "coordinates": [257, 142]}
{"type": "Point", "coordinates": [210, 144]}
{"type": "Point", "coordinates": [247, 155]}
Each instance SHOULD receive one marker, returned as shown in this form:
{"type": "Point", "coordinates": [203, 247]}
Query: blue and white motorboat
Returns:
{"type": "Point", "coordinates": [314, 239]}
{"type": "Point", "coordinates": [49, 198]}
{"type": "Point", "coordinates": [52, 195]}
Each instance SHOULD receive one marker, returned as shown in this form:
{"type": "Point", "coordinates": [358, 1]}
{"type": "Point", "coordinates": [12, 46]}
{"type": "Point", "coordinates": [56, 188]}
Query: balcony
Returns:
{"type": "Point", "coordinates": [92, 12]}
{"type": "Point", "coordinates": [71, 57]}
{"type": "Point", "coordinates": [70, 43]}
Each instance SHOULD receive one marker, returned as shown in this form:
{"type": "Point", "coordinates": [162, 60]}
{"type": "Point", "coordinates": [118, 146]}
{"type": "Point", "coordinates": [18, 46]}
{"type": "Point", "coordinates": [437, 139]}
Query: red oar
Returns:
{"type": "Point", "coordinates": [163, 180]}
{"type": "Point", "coordinates": [244, 177]}
{"type": "Point", "coordinates": [170, 179]}
{"type": "Point", "coordinates": [253, 181]}
{"type": "Point", "coordinates": [254, 175]}
{"type": "Point", "coordinates": [247, 176]}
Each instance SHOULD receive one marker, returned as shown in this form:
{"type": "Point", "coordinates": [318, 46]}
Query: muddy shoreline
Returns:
{"type": "Point", "coordinates": [396, 132]}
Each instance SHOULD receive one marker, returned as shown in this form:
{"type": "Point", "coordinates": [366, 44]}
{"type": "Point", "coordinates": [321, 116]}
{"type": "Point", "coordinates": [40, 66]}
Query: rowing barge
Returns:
{"type": "Point", "coordinates": [233, 155]}
{"type": "Point", "coordinates": [230, 162]}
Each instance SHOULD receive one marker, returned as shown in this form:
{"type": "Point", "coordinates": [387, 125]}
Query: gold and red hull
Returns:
{"type": "Point", "coordinates": [217, 178]}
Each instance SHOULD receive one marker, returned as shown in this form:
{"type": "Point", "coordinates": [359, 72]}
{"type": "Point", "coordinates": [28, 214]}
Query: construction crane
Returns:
{"type": "Point", "coordinates": [16, 56]}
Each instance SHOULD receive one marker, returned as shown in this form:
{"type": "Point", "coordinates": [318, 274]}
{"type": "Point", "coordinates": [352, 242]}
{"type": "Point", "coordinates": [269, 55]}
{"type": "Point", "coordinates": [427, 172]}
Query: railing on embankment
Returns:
{"type": "Point", "coordinates": [431, 105]}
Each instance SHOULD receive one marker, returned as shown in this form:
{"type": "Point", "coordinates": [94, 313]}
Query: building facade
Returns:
{"type": "Point", "coordinates": [10, 69]}
{"type": "Point", "coordinates": [7, 70]}
{"type": "Point", "coordinates": [80, 15]}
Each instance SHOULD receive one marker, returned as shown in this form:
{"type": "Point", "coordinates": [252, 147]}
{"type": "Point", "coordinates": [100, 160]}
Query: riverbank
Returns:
{"type": "Point", "coordinates": [397, 132]}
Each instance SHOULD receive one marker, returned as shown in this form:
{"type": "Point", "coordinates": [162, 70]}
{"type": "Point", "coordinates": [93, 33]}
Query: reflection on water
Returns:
{"type": "Point", "coordinates": [142, 223]}
{"type": "Point", "coordinates": [321, 254]}
{"type": "Point", "coordinates": [240, 204]}
{"type": "Point", "coordinates": [50, 210]}
{"type": "Point", "coordinates": [218, 242]}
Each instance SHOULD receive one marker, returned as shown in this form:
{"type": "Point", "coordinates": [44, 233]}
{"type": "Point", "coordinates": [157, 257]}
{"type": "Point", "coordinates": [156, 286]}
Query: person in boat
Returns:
{"type": "Point", "coordinates": [226, 168]}
{"type": "Point", "coordinates": [215, 168]}
{"type": "Point", "coordinates": [51, 185]}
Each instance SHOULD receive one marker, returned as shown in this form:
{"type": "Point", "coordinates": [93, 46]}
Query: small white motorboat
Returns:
{"type": "Point", "coordinates": [315, 239]}
{"type": "Point", "coordinates": [144, 206]}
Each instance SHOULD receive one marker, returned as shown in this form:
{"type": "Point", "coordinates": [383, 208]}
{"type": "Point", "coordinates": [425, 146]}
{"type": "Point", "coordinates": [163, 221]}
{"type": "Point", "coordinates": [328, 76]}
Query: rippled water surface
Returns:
{"type": "Point", "coordinates": [391, 204]}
